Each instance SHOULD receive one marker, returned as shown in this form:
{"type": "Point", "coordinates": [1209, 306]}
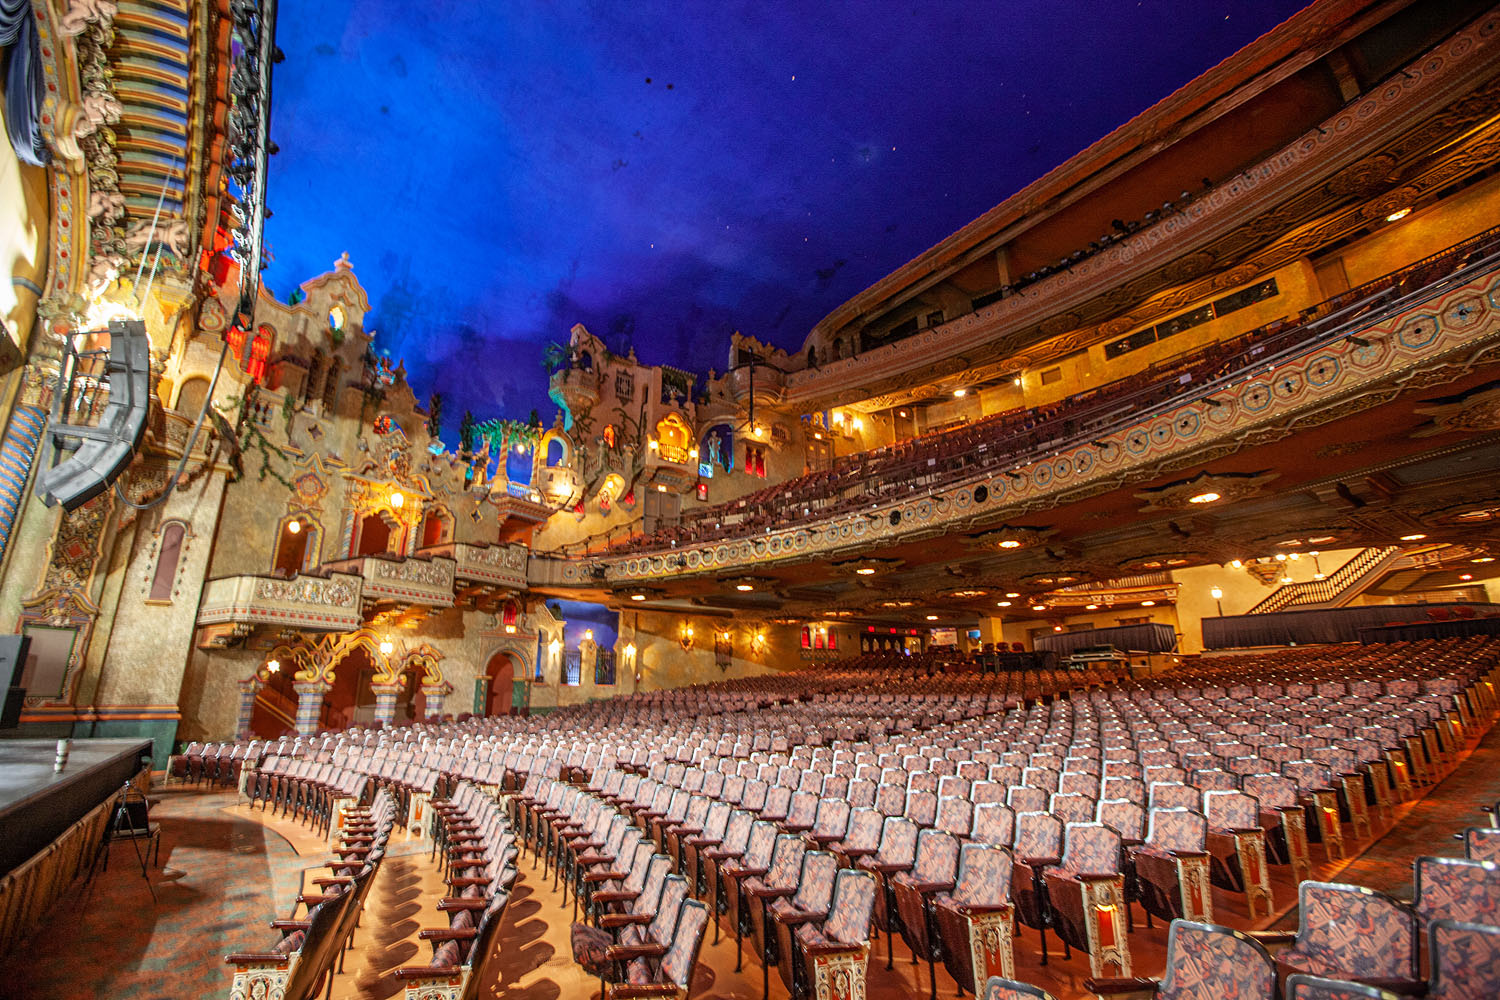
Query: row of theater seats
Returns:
{"type": "Point", "coordinates": [1140, 793]}
{"type": "Point", "coordinates": [304, 957]}
{"type": "Point", "coordinates": [1006, 439]}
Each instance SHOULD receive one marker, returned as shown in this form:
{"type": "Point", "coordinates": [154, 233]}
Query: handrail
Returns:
{"type": "Point", "coordinates": [1262, 349]}
{"type": "Point", "coordinates": [1326, 589]}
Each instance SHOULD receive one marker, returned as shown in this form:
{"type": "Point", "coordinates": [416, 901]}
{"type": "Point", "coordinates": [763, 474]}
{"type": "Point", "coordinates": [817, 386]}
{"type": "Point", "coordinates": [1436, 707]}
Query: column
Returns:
{"type": "Point", "coordinates": [432, 696]}
{"type": "Point", "coordinates": [385, 702]}
{"type": "Point", "coordinates": [310, 705]}
{"type": "Point", "coordinates": [249, 688]}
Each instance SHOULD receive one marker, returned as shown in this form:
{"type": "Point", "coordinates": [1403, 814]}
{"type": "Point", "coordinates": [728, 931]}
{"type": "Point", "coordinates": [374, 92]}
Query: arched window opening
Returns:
{"type": "Point", "coordinates": [260, 352]}
{"type": "Point", "coordinates": [437, 528]}
{"type": "Point", "coordinates": [812, 357]}
{"type": "Point", "coordinates": [557, 453]}
{"type": "Point", "coordinates": [316, 369]}
{"type": "Point", "coordinates": [167, 556]}
{"type": "Point", "coordinates": [375, 535]}
{"type": "Point", "coordinates": [586, 361]}
{"type": "Point", "coordinates": [501, 670]}
{"type": "Point", "coordinates": [291, 548]}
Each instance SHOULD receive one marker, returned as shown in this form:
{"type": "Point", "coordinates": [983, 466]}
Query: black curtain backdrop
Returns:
{"type": "Point", "coordinates": [1150, 637]}
{"type": "Point", "coordinates": [1287, 628]}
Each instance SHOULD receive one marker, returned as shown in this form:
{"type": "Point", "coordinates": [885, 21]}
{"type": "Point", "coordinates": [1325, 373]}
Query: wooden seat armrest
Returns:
{"type": "Point", "coordinates": [827, 947]}
{"type": "Point", "coordinates": [605, 876]}
{"type": "Point", "coordinates": [612, 920]}
{"type": "Point", "coordinates": [1122, 986]}
{"type": "Point", "coordinates": [613, 896]}
{"type": "Point", "coordinates": [796, 919]}
{"type": "Point", "coordinates": [735, 871]}
{"type": "Point", "coordinates": [685, 831]}
{"type": "Point", "coordinates": [887, 867]}
{"type": "Point", "coordinates": [291, 925]}
{"type": "Point", "coordinates": [641, 992]}
{"type": "Point", "coordinates": [929, 887]}
{"type": "Point", "coordinates": [345, 866]}
{"type": "Point", "coordinates": [337, 880]}
{"type": "Point", "coordinates": [1091, 879]}
{"type": "Point", "coordinates": [311, 900]}
{"type": "Point", "coordinates": [1273, 938]}
{"type": "Point", "coordinates": [982, 909]}
{"type": "Point", "coordinates": [1189, 854]}
{"type": "Point", "coordinates": [626, 952]}
{"type": "Point", "coordinates": [1040, 862]}
{"type": "Point", "coordinates": [703, 841]}
{"type": "Point", "coordinates": [257, 958]}
{"type": "Point", "coordinates": [468, 880]}
{"type": "Point", "coordinates": [428, 972]}
{"type": "Point", "coordinates": [447, 933]}
{"type": "Point", "coordinates": [462, 903]}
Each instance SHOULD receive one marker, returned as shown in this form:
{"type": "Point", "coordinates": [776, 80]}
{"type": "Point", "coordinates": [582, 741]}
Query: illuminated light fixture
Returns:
{"type": "Point", "coordinates": [661, 487]}
{"type": "Point", "coordinates": [693, 452]}
{"type": "Point", "coordinates": [1237, 564]}
{"type": "Point", "coordinates": [1002, 604]}
{"type": "Point", "coordinates": [520, 449]}
{"type": "Point", "coordinates": [743, 587]}
{"type": "Point", "coordinates": [1398, 214]}
{"type": "Point", "coordinates": [397, 499]}
{"type": "Point", "coordinates": [1295, 556]}
{"type": "Point", "coordinates": [960, 393]}
{"type": "Point", "coordinates": [866, 571]}
{"type": "Point", "coordinates": [1010, 543]}
{"type": "Point", "coordinates": [294, 526]}
{"type": "Point", "coordinates": [1204, 498]}
{"type": "Point", "coordinates": [1216, 593]}
{"type": "Point", "coordinates": [1057, 628]}
{"type": "Point", "coordinates": [1320, 576]}
{"type": "Point", "coordinates": [900, 413]}
{"type": "Point", "coordinates": [758, 642]}
{"type": "Point", "coordinates": [1281, 557]}
{"type": "Point", "coordinates": [1461, 576]}
{"type": "Point", "coordinates": [838, 419]}
{"type": "Point", "coordinates": [588, 634]}
{"type": "Point", "coordinates": [818, 435]}
{"type": "Point", "coordinates": [652, 444]}
{"type": "Point", "coordinates": [1091, 607]}
{"type": "Point", "coordinates": [1039, 607]}
{"type": "Point", "coordinates": [1018, 380]}
{"type": "Point", "coordinates": [857, 424]}
{"type": "Point", "coordinates": [1286, 579]}
{"type": "Point", "coordinates": [1414, 537]}
{"type": "Point", "coordinates": [1148, 604]}
{"type": "Point", "coordinates": [510, 630]}
{"type": "Point", "coordinates": [273, 666]}
{"type": "Point", "coordinates": [637, 597]}
{"type": "Point", "coordinates": [1483, 559]}
{"type": "Point", "coordinates": [386, 647]}
{"type": "Point", "coordinates": [1012, 594]}
{"type": "Point", "coordinates": [932, 618]}
{"type": "Point", "coordinates": [554, 647]}
{"type": "Point", "coordinates": [629, 649]}
{"type": "Point", "coordinates": [685, 636]}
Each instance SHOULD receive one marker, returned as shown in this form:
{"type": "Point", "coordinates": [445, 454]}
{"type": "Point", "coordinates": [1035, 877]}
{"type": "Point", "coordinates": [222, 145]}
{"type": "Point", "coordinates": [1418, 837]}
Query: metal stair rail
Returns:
{"type": "Point", "coordinates": [1328, 589]}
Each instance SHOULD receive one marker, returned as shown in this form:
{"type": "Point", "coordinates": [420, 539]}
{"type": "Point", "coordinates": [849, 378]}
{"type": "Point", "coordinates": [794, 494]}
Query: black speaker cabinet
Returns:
{"type": "Point", "coordinates": [13, 649]}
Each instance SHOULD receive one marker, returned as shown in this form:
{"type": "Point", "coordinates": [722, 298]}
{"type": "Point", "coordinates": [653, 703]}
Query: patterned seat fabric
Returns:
{"type": "Point", "coordinates": [1457, 889]}
{"type": "Point", "coordinates": [1482, 844]}
{"type": "Point", "coordinates": [984, 874]}
{"type": "Point", "coordinates": [998, 988]}
{"type": "Point", "coordinates": [1465, 960]}
{"type": "Point", "coordinates": [1348, 931]}
{"type": "Point", "coordinates": [1208, 962]}
{"type": "Point", "coordinates": [935, 870]}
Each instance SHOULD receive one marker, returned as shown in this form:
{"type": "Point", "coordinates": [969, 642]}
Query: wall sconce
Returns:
{"type": "Point", "coordinates": [588, 634]}
{"type": "Point", "coordinates": [1218, 595]}
{"type": "Point", "coordinates": [510, 630]}
{"type": "Point", "coordinates": [386, 647]}
{"type": "Point", "coordinates": [273, 666]}
{"type": "Point", "coordinates": [398, 499]}
{"type": "Point", "coordinates": [685, 636]}
{"type": "Point", "coordinates": [554, 647]}
{"type": "Point", "coordinates": [629, 652]}
{"type": "Point", "coordinates": [652, 444]}
{"type": "Point", "coordinates": [758, 642]}
{"type": "Point", "coordinates": [294, 526]}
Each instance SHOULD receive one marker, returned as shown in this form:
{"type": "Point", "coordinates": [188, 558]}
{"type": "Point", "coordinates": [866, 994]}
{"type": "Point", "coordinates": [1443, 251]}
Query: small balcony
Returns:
{"type": "Point", "coordinates": [575, 389]}
{"type": "Point", "coordinates": [315, 603]}
{"type": "Point", "coordinates": [499, 565]}
{"type": "Point", "coordinates": [770, 385]}
{"type": "Point", "coordinates": [395, 579]}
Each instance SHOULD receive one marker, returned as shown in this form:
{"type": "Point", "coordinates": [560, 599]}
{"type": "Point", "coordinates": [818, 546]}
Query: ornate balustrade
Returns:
{"type": "Point", "coordinates": [502, 565]}
{"type": "Point", "coordinates": [316, 603]}
{"type": "Point", "coordinates": [404, 580]}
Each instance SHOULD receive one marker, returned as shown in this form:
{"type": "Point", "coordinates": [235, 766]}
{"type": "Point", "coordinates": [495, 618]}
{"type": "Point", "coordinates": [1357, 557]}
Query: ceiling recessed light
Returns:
{"type": "Point", "coordinates": [1057, 628]}
{"type": "Point", "coordinates": [1091, 607]}
{"type": "Point", "coordinates": [1281, 557]}
{"type": "Point", "coordinates": [1002, 604]}
{"type": "Point", "coordinates": [1010, 543]}
{"type": "Point", "coordinates": [1236, 563]}
{"type": "Point", "coordinates": [1398, 214]}
{"type": "Point", "coordinates": [932, 618]}
{"type": "Point", "coordinates": [1415, 536]}
{"type": "Point", "coordinates": [1012, 594]}
{"type": "Point", "coordinates": [1204, 498]}
{"type": "Point", "coordinates": [1148, 604]}
{"type": "Point", "coordinates": [1483, 559]}
{"type": "Point", "coordinates": [1039, 607]}
{"type": "Point", "coordinates": [866, 571]}
{"type": "Point", "coordinates": [637, 597]}
{"type": "Point", "coordinates": [1286, 579]}
{"type": "Point", "coordinates": [1466, 576]}
{"type": "Point", "coordinates": [960, 393]}
{"type": "Point", "coordinates": [744, 586]}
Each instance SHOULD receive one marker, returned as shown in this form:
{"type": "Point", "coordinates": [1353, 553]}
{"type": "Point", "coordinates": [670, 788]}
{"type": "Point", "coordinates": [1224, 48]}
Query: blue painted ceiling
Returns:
{"type": "Point", "coordinates": [665, 173]}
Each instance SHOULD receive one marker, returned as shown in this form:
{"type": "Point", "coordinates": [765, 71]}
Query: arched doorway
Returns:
{"type": "Point", "coordinates": [411, 703]}
{"type": "Point", "coordinates": [291, 548]}
{"type": "Point", "coordinates": [375, 533]}
{"type": "Point", "coordinates": [437, 528]}
{"type": "Point", "coordinates": [501, 670]}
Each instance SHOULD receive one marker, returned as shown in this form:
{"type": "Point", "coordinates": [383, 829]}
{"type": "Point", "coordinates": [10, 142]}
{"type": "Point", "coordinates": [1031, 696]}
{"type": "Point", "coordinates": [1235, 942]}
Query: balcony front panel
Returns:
{"type": "Point", "coordinates": [329, 603]}
{"type": "Point", "coordinates": [427, 582]}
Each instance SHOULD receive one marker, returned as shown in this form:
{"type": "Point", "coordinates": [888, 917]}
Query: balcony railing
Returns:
{"type": "Point", "coordinates": [402, 580]}
{"type": "Point", "coordinates": [502, 565]}
{"type": "Point", "coordinates": [330, 603]}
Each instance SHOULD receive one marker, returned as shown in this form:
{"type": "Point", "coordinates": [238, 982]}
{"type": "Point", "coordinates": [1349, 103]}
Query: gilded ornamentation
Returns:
{"type": "Point", "coordinates": [433, 574]}
{"type": "Point", "coordinates": [1363, 179]}
{"type": "Point", "coordinates": [304, 590]}
{"type": "Point", "coordinates": [991, 950]}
